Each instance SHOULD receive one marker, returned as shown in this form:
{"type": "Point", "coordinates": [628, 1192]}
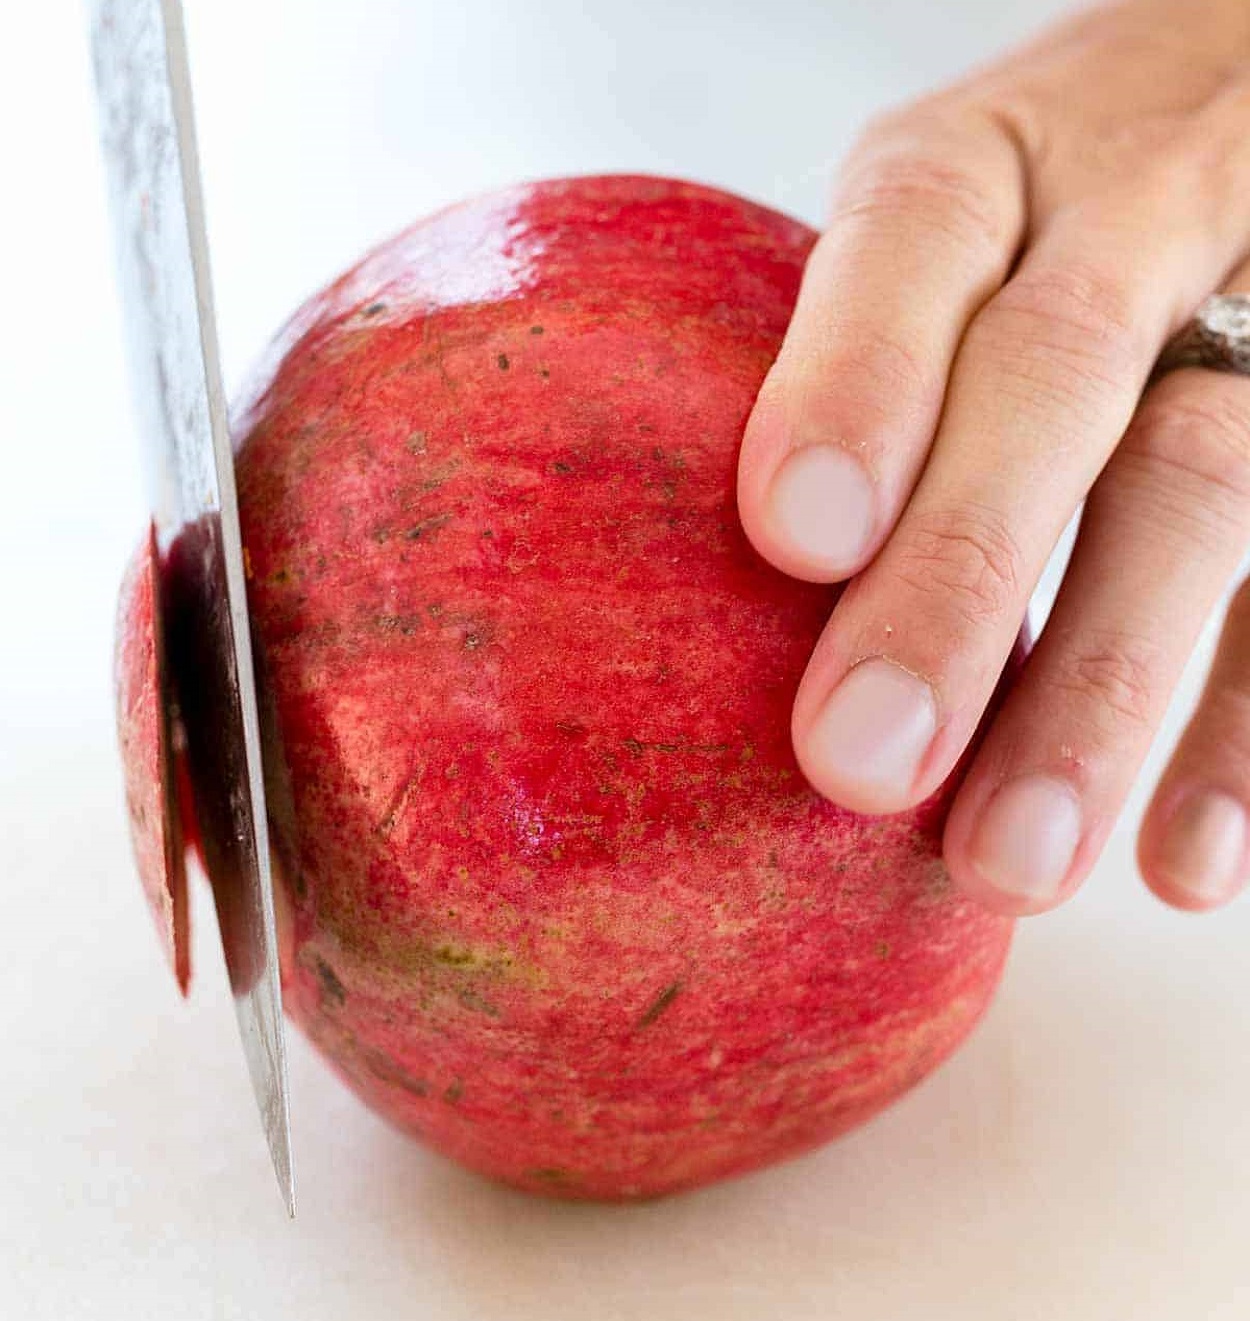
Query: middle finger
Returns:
{"type": "Point", "coordinates": [1046, 381]}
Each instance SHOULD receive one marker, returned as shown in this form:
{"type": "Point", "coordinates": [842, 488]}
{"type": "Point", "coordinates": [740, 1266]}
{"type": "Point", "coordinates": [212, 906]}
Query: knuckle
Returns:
{"type": "Point", "coordinates": [1080, 323]}
{"type": "Point", "coordinates": [854, 384]}
{"type": "Point", "coordinates": [1115, 674]}
{"type": "Point", "coordinates": [865, 378]}
{"type": "Point", "coordinates": [1200, 436]}
{"type": "Point", "coordinates": [1229, 708]}
{"type": "Point", "coordinates": [904, 185]}
{"type": "Point", "coordinates": [965, 559]}
{"type": "Point", "coordinates": [1218, 737]}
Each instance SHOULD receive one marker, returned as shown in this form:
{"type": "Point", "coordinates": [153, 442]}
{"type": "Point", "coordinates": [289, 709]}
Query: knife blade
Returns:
{"type": "Point", "coordinates": [147, 127]}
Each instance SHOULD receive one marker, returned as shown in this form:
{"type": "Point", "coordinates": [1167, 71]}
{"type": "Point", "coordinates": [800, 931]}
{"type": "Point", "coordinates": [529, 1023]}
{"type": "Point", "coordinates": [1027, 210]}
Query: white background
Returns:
{"type": "Point", "coordinates": [1087, 1155]}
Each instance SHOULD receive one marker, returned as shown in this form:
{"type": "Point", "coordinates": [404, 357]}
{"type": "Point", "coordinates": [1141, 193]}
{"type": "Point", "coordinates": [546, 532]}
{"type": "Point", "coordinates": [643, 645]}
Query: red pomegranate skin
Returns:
{"type": "Point", "coordinates": [149, 761]}
{"type": "Point", "coordinates": [555, 897]}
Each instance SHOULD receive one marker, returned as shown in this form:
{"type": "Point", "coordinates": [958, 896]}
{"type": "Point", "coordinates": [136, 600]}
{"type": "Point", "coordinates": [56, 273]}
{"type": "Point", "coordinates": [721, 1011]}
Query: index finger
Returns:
{"type": "Point", "coordinates": [926, 221]}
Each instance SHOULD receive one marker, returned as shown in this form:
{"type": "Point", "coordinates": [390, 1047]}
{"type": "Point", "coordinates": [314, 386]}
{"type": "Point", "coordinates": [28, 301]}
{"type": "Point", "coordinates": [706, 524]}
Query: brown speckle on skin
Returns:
{"type": "Point", "coordinates": [405, 624]}
{"type": "Point", "coordinates": [439, 475]}
{"type": "Point", "coordinates": [503, 362]}
{"type": "Point", "coordinates": [399, 802]}
{"type": "Point", "coordinates": [552, 1175]}
{"type": "Point", "coordinates": [660, 1004]}
{"type": "Point", "coordinates": [455, 1090]}
{"type": "Point", "coordinates": [333, 992]}
{"type": "Point", "coordinates": [478, 1003]}
{"type": "Point", "coordinates": [424, 530]}
{"type": "Point", "coordinates": [454, 956]}
{"type": "Point", "coordinates": [386, 1070]}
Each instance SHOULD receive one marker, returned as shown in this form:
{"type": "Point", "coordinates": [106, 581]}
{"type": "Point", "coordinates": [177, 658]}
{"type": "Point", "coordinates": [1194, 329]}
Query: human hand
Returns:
{"type": "Point", "coordinates": [966, 363]}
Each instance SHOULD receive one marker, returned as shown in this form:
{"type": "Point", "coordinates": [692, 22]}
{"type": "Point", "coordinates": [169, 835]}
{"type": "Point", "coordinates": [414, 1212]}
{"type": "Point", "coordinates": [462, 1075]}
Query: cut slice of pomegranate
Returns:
{"type": "Point", "coordinates": [146, 726]}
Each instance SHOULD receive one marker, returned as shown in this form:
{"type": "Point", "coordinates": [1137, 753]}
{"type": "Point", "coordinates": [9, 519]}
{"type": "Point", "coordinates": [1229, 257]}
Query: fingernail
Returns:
{"type": "Point", "coordinates": [1027, 837]}
{"type": "Point", "coordinates": [1203, 847]}
{"type": "Point", "coordinates": [822, 501]}
{"type": "Point", "coordinates": [870, 737]}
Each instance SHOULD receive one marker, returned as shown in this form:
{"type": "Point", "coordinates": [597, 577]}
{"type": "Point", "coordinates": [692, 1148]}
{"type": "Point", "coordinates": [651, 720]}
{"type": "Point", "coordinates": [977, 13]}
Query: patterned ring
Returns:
{"type": "Point", "coordinates": [1217, 337]}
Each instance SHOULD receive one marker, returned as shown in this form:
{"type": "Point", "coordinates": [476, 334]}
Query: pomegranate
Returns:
{"type": "Point", "coordinates": [553, 894]}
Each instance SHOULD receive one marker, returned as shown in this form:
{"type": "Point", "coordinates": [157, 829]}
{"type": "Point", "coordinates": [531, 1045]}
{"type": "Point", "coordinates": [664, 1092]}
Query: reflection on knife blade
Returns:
{"type": "Point", "coordinates": [143, 84]}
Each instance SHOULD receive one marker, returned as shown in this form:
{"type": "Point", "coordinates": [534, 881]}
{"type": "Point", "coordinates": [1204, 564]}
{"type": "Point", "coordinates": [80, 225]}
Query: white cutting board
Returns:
{"type": "Point", "coordinates": [1086, 1156]}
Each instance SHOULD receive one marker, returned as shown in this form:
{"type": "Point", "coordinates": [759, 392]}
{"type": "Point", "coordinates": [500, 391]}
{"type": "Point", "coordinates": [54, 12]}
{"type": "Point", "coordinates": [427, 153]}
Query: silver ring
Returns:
{"type": "Point", "coordinates": [1217, 337]}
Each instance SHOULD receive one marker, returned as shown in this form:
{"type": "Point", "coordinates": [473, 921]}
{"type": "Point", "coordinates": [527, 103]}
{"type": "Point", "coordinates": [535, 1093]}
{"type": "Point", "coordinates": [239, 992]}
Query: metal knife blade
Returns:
{"type": "Point", "coordinates": [144, 94]}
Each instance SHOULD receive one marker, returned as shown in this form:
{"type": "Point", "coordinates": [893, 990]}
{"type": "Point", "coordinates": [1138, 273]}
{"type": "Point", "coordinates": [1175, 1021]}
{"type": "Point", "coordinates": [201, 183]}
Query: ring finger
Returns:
{"type": "Point", "coordinates": [1162, 533]}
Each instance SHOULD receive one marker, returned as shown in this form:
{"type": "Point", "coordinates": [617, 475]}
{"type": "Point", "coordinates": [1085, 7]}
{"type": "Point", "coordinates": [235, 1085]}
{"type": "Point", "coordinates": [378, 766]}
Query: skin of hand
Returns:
{"type": "Point", "coordinates": [970, 358]}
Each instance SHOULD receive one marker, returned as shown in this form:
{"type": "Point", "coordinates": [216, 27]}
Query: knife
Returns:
{"type": "Point", "coordinates": [144, 94]}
